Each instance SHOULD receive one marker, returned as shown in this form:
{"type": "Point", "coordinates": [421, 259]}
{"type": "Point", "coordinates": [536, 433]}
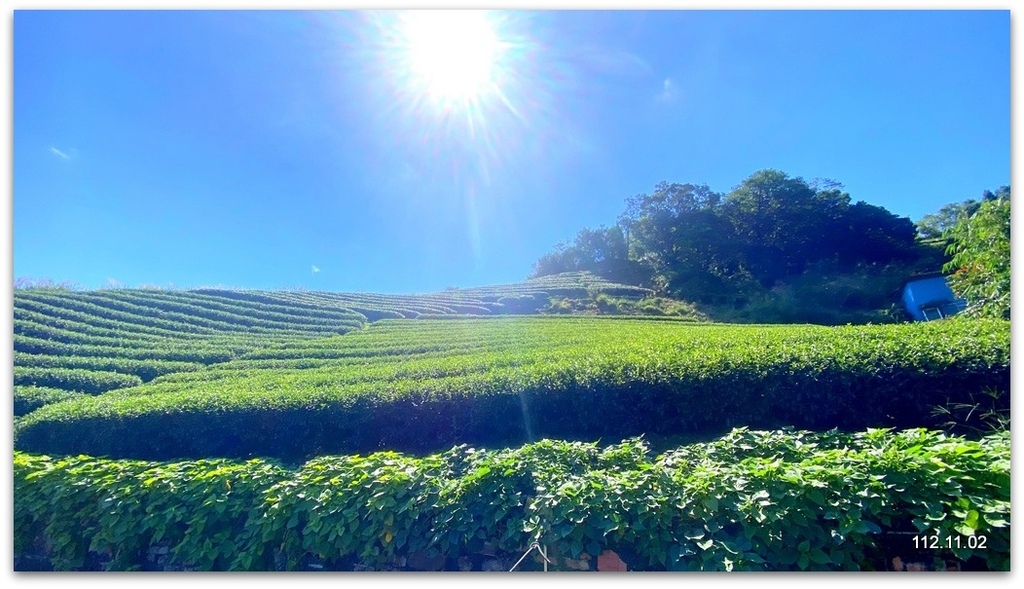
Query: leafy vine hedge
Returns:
{"type": "Point", "coordinates": [751, 500]}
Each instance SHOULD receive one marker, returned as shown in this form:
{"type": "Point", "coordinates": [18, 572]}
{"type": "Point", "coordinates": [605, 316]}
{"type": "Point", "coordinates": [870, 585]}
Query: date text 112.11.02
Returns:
{"type": "Point", "coordinates": [937, 542]}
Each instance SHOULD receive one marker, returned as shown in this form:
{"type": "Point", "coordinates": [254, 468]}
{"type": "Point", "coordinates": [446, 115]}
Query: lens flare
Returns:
{"type": "Point", "coordinates": [453, 72]}
{"type": "Point", "coordinates": [464, 111]}
{"type": "Point", "coordinates": [452, 55]}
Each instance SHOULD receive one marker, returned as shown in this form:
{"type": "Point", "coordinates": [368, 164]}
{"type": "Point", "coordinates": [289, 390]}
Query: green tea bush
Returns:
{"type": "Point", "coordinates": [570, 378]}
{"type": "Point", "coordinates": [146, 370]}
{"type": "Point", "coordinates": [47, 340]}
{"type": "Point", "coordinates": [92, 382]}
{"type": "Point", "coordinates": [29, 398]}
{"type": "Point", "coordinates": [48, 326]}
{"type": "Point", "coordinates": [203, 350]}
{"type": "Point", "coordinates": [251, 315]}
{"type": "Point", "coordinates": [112, 314]}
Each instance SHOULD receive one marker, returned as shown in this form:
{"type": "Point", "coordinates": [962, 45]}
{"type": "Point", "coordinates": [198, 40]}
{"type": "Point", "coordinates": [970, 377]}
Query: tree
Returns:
{"type": "Point", "coordinates": [872, 234]}
{"type": "Point", "coordinates": [940, 223]}
{"type": "Point", "coordinates": [980, 250]}
{"type": "Point", "coordinates": [602, 251]}
{"type": "Point", "coordinates": [679, 235]}
{"type": "Point", "coordinates": [777, 221]}
{"type": "Point", "coordinates": [937, 224]}
{"type": "Point", "coordinates": [747, 247]}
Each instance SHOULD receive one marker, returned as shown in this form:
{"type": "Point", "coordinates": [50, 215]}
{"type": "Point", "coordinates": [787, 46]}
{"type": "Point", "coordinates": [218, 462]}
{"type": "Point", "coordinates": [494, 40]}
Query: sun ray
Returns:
{"type": "Point", "coordinates": [466, 103]}
{"type": "Point", "coordinates": [452, 54]}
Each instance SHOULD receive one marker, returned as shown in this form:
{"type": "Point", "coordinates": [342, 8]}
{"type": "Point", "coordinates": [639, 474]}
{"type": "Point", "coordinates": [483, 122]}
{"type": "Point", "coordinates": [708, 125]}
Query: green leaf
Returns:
{"type": "Point", "coordinates": [693, 533]}
{"type": "Point", "coordinates": [816, 496]}
{"type": "Point", "coordinates": [818, 556]}
{"type": "Point", "coordinates": [996, 522]}
{"type": "Point", "coordinates": [971, 521]}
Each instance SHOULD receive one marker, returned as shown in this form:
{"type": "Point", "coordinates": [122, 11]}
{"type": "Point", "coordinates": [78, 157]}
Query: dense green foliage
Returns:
{"type": "Point", "coordinates": [145, 370]}
{"type": "Point", "coordinates": [30, 398]}
{"type": "Point", "coordinates": [980, 249]}
{"type": "Point", "coordinates": [754, 253]}
{"type": "Point", "coordinates": [145, 333]}
{"type": "Point", "coordinates": [751, 500]}
{"type": "Point", "coordinates": [87, 381]}
{"type": "Point", "coordinates": [325, 382]}
{"type": "Point", "coordinates": [938, 224]}
{"type": "Point", "coordinates": [604, 304]}
{"type": "Point", "coordinates": [421, 385]}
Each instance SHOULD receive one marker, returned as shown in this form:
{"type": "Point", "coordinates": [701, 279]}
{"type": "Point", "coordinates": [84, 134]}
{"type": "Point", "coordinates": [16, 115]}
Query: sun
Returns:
{"type": "Point", "coordinates": [464, 102]}
{"type": "Point", "coordinates": [451, 55]}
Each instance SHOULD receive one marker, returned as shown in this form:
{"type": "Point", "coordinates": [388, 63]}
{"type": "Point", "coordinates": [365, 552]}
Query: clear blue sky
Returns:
{"type": "Point", "coordinates": [336, 150]}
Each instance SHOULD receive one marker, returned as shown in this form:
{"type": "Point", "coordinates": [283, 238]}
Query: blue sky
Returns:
{"type": "Point", "coordinates": [319, 150]}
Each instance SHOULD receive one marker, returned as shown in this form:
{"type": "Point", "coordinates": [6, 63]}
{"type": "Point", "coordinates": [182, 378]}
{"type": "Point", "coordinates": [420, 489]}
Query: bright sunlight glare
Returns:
{"type": "Point", "coordinates": [452, 54]}
{"type": "Point", "coordinates": [465, 101]}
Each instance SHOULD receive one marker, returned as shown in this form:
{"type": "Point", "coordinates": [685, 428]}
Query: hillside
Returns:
{"type": "Point", "coordinates": [490, 403]}
{"type": "Point", "coordinates": [70, 342]}
{"type": "Point", "coordinates": [187, 374]}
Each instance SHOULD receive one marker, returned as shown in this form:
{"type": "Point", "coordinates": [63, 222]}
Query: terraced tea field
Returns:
{"type": "Point", "coordinates": [227, 383]}
{"type": "Point", "coordinates": [70, 343]}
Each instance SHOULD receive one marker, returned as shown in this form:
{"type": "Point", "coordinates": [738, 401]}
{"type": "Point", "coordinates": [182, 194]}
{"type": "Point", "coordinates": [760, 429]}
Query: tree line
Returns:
{"type": "Point", "coordinates": [775, 249]}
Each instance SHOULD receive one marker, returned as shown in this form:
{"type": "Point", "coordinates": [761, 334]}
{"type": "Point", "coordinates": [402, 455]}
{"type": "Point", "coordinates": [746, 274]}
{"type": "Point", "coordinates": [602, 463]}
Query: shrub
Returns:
{"type": "Point", "coordinates": [509, 381]}
{"type": "Point", "coordinates": [751, 500]}
{"type": "Point", "coordinates": [29, 398]}
{"type": "Point", "coordinates": [981, 259]}
{"type": "Point", "coordinates": [72, 379]}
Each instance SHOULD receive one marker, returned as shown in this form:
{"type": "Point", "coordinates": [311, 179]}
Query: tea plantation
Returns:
{"type": "Point", "coordinates": [220, 429]}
